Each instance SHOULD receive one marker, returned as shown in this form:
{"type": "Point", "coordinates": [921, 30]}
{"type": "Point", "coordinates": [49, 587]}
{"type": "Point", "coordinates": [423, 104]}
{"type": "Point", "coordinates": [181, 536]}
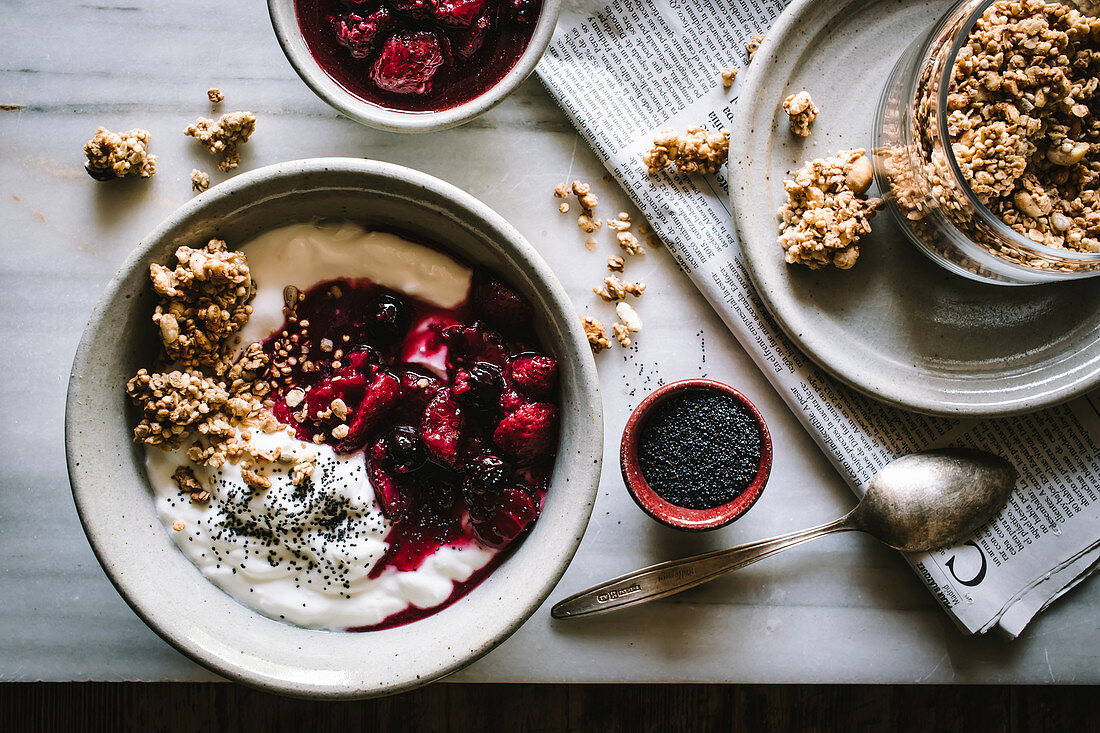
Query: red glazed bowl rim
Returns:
{"type": "Point", "coordinates": [677, 516]}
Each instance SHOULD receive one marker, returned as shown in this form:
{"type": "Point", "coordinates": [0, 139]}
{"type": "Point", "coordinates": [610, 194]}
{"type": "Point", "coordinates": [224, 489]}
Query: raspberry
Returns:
{"type": "Point", "coordinates": [408, 62]}
{"type": "Point", "coordinates": [360, 35]}
{"type": "Point", "coordinates": [441, 429]}
{"type": "Point", "coordinates": [499, 305]}
{"type": "Point", "coordinates": [460, 13]}
{"type": "Point", "coordinates": [529, 434]}
{"type": "Point", "coordinates": [499, 523]}
{"type": "Point", "coordinates": [535, 376]}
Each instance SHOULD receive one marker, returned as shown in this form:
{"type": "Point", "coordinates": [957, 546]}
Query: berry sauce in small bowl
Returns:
{"type": "Point", "coordinates": [696, 454]}
{"type": "Point", "coordinates": [417, 55]}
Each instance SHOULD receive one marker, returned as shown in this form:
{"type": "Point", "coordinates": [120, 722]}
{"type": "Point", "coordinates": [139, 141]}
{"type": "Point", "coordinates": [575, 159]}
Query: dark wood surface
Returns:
{"type": "Point", "coordinates": [522, 708]}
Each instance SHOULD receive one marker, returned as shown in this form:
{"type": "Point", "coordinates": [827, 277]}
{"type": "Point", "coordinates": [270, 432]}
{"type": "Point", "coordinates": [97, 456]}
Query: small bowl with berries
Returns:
{"type": "Point", "coordinates": [413, 65]}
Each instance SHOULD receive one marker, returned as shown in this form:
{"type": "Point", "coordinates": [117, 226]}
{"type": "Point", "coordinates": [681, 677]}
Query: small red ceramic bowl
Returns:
{"type": "Point", "coordinates": [677, 516]}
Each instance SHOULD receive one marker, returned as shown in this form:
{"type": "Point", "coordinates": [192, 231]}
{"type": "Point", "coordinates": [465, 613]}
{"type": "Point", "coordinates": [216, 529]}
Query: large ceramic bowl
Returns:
{"type": "Point", "coordinates": [116, 503]}
{"type": "Point", "coordinates": [285, 22]}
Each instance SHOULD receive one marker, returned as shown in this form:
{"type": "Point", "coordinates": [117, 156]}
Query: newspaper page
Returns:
{"type": "Point", "coordinates": [623, 69]}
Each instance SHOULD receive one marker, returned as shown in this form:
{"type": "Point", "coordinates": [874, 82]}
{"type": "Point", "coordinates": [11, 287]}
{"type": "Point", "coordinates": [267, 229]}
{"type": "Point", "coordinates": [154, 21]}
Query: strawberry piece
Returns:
{"type": "Point", "coordinates": [382, 395]}
{"type": "Point", "coordinates": [528, 434]}
{"type": "Point", "coordinates": [500, 520]}
{"type": "Point", "coordinates": [499, 305]}
{"type": "Point", "coordinates": [459, 13]}
{"type": "Point", "coordinates": [535, 376]}
{"type": "Point", "coordinates": [441, 429]}
{"type": "Point", "coordinates": [465, 42]}
{"type": "Point", "coordinates": [511, 400]}
{"type": "Point", "coordinates": [360, 35]}
{"type": "Point", "coordinates": [467, 345]}
{"type": "Point", "coordinates": [387, 491]}
{"type": "Point", "coordinates": [407, 63]}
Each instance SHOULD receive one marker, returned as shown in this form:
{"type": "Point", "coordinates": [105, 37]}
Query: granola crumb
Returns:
{"type": "Point", "coordinates": [753, 45]}
{"type": "Point", "coordinates": [225, 136]}
{"type": "Point", "coordinates": [629, 243]}
{"type": "Point", "coordinates": [215, 95]}
{"type": "Point", "coordinates": [200, 181]}
{"type": "Point", "coordinates": [587, 224]}
{"type": "Point", "coordinates": [824, 218]}
{"type": "Point", "coordinates": [255, 480]}
{"type": "Point", "coordinates": [615, 263]}
{"type": "Point", "coordinates": [188, 484]}
{"type": "Point", "coordinates": [728, 74]}
{"type": "Point", "coordinates": [563, 207]}
{"type": "Point", "coordinates": [596, 334]}
{"type": "Point", "coordinates": [622, 334]}
{"type": "Point", "coordinates": [302, 469]}
{"type": "Point", "coordinates": [695, 151]}
{"type": "Point", "coordinates": [801, 111]}
{"type": "Point", "coordinates": [561, 191]}
{"type": "Point", "coordinates": [615, 289]}
{"type": "Point", "coordinates": [585, 197]}
{"type": "Point", "coordinates": [591, 244]}
{"type": "Point", "coordinates": [178, 525]}
{"type": "Point", "coordinates": [119, 155]}
{"type": "Point", "coordinates": [618, 225]}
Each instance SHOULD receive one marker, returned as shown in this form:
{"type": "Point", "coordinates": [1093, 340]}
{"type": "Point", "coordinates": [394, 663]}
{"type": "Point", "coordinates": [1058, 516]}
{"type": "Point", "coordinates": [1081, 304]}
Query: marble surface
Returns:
{"type": "Point", "coordinates": [843, 609]}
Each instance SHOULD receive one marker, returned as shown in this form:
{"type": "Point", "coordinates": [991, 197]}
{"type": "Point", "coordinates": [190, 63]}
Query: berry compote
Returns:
{"type": "Point", "coordinates": [455, 409]}
{"type": "Point", "coordinates": [417, 55]}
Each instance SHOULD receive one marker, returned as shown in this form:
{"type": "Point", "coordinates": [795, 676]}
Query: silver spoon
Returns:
{"type": "Point", "coordinates": [917, 502]}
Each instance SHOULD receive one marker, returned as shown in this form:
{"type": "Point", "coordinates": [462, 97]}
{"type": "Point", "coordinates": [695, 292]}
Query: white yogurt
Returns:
{"type": "Point", "coordinates": [333, 526]}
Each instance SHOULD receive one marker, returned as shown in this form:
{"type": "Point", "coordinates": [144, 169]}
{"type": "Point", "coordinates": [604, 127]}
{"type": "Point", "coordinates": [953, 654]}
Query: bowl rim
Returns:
{"type": "Point", "coordinates": [660, 509]}
{"type": "Point", "coordinates": [284, 21]}
{"type": "Point", "coordinates": [582, 480]}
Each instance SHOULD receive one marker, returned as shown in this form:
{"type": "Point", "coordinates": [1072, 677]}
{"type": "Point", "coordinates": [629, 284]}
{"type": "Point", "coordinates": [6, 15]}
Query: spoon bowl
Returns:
{"type": "Point", "coordinates": [917, 502]}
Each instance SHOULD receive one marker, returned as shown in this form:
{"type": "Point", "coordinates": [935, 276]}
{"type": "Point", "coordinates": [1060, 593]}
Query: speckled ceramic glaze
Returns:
{"type": "Point", "coordinates": [896, 326]}
{"type": "Point", "coordinates": [116, 504]}
{"type": "Point", "coordinates": [285, 23]}
{"type": "Point", "coordinates": [666, 512]}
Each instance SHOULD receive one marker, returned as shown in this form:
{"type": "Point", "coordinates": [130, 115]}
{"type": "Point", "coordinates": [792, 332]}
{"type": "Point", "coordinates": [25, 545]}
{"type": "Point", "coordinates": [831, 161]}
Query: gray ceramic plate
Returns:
{"type": "Point", "coordinates": [897, 326]}
{"type": "Point", "coordinates": [116, 505]}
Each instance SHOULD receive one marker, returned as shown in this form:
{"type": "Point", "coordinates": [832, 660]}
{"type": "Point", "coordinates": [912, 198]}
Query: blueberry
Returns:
{"type": "Point", "coordinates": [404, 451]}
{"type": "Point", "coordinates": [387, 318]}
{"type": "Point", "coordinates": [487, 474]}
{"type": "Point", "coordinates": [479, 386]}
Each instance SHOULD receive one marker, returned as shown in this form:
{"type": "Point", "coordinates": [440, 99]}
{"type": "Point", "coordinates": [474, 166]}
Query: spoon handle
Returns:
{"type": "Point", "coordinates": [668, 578]}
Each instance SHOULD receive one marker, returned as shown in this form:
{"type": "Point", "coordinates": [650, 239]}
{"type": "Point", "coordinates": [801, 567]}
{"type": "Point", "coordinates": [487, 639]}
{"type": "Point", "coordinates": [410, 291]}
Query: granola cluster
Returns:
{"type": "Point", "coordinates": [694, 151]}
{"type": "Point", "coordinates": [753, 45]}
{"type": "Point", "coordinates": [825, 214]}
{"type": "Point", "coordinates": [200, 180]}
{"type": "Point", "coordinates": [118, 155]}
{"type": "Point", "coordinates": [1022, 119]}
{"type": "Point", "coordinates": [215, 95]}
{"type": "Point", "coordinates": [728, 74]}
{"type": "Point", "coordinates": [596, 333]}
{"type": "Point", "coordinates": [801, 111]}
{"type": "Point", "coordinates": [224, 136]}
{"type": "Point", "coordinates": [204, 301]}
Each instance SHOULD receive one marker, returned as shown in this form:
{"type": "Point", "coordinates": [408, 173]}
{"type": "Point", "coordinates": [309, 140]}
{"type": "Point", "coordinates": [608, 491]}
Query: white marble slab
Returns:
{"type": "Point", "coordinates": [843, 609]}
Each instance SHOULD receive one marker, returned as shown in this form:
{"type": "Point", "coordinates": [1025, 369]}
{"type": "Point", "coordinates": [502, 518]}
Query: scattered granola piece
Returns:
{"type": "Point", "coordinates": [622, 334]}
{"type": "Point", "coordinates": [215, 95]}
{"type": "Point", "coordinates": [340, 431]}
{"type": "Point", "coordinates": [561, 191]}
{"type": "Point", "coordinates": [629, 243]}
{"type": "Point", "coordinates": [584, 195]}
{"type": "Point", "coordinates": [696, 151]}
{"type": "Point", "coordinates": [224, 136]}
{"type": "Point", "coordinates": [596, 334]}
{"type": "Point", "coordinates": [616, 289]}
{"type": "Point", "coordinates": [200, 181]}
{"type": "Point", "coordinates": [118, 155]}
{"type": "Point", "coordinates": [588, 224]}
{"type": "Point", "coordinates": [618, 225]}
{"type": "Point", "coordinates": [628, 316]}
{"type": "Point", "coordinates": [339, 409]}
{"type": "Point", "coordinates": [178, 525]}
{"type": "Point", "coordinates": [615, 263]}
{"type": "Point", "coordinates": [801, 111]}
{"type": "Point", "coordinates": [302, 470]}
{"type": "Point", "coordinates": [204, 301]}
{"type": "Point", "coordinates": [591, 244]}
{"type": "Point", "coordinates": [188, 484]}
{"type": "Point", "coordinates": [823, 218]}
{"type": "Point", "coordinates": [563, 207]}
{"type": "Point", "coordinates": [255, 480]}
{"type": "Point", "coordinates": [753, 45]}
{"type": "Point", "coordinates": [728, 75]}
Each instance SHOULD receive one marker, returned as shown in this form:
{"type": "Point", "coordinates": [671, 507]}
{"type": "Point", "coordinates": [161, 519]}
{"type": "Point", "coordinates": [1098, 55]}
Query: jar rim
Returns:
{"type": "Point", "coordinates": [983, 211]}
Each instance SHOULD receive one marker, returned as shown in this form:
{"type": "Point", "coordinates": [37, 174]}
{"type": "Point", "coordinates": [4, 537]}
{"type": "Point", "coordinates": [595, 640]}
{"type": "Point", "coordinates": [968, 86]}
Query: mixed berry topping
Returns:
{"type": "Point", "coordinates": [417, 55]}
{"type": "Point", "coordinates": [455, 409]}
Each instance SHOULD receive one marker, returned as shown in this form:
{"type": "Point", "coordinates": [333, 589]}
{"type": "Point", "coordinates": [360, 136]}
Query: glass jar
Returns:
{"type": "Point", "coordinates": [926, 193]}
